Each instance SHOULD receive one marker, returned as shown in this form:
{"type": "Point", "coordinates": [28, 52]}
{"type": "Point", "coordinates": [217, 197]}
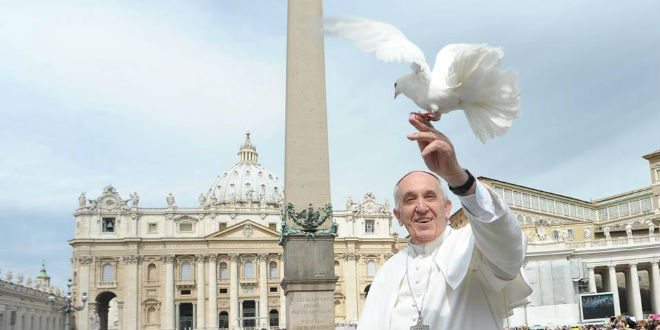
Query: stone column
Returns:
{"type": "Point", "coordinates": [263, 290]}
{"type": "Point", "coordinates": [131, 296]}
{"type": "Point", "coordinates": [177, 316]}
{"type": "Point", "coordinates": [168, 311]}
{"type": "Point", "coordinates": [194, 316]}
{"type": "Point", "coordinates": [592, 279]}
{"type": "Point", "coordinates": [212, 315]}
{"type": "Point", "coordinates": [635, 295]}
{"type": "Point", "coordinates": [352, 291]}
{"type": "Point", "coordinates": [282, 323]}
{"type": "Point", "coordinates": [614, 288]}
{"type": "Point", "coordinates": [201, 297]}
{"type": "Point", "coordinates": [655, 287]}
{"type": "Point", "coordinates": [84, 283]}
{"type": "Point", "coordinates": [233, 290]}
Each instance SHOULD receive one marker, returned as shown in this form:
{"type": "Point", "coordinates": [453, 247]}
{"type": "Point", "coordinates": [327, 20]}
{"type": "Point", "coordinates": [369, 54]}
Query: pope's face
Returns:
{"type": "Point", "coordinates": [422, 208]}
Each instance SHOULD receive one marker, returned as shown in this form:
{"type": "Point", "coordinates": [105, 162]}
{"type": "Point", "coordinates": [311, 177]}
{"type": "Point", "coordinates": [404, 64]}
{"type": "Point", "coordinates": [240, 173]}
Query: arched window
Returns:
{"type": "Point", "coordinates": [371, 268]}
{"type": "Point", "coordinates": [152, 316]}
{"type": "Point", "coordinates": [337, 268]}
{"type": "Point", "coordinates": [107, 273]}
{"type": "Point", "coordinates": [223, 320]}
{"type": "Point", "coordinates": [186, 271]}
{"type": "Point", "coordinates": [151, 273]}
{"type": "Point", "coordinates": [520, 219]}
{"type": "Point", "coordinates": [274, 317]}
{"type": "Point", "coordinates": [528, 220]}
{"type": "Point", "coordinates": [224, 273]}
{"type": "Point", "coordinates": [248, 269]}
{"type": "Point", "coordinates": [272, 269]}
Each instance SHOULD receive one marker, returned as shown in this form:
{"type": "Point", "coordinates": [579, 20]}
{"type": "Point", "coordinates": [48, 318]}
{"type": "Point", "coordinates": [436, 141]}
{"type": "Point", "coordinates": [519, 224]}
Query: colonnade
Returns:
{"type": "Point", "coordinates": [633, 295]}
{"type": "Point", "coordinates": [206, 315]}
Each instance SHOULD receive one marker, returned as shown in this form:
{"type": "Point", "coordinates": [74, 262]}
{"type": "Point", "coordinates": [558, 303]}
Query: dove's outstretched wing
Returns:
{"type": "Point", "coordinates": [489, 96]}
{"type": "Point", "coordinates": [387, 42]}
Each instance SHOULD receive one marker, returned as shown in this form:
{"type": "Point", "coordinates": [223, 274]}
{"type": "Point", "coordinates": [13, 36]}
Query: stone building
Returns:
{"type": "Point", "coordinates": [26, 306]}
{"type": "Point", "coordinates": [215, 265]}
{"type": "Point", "coordinates": [573, 246]}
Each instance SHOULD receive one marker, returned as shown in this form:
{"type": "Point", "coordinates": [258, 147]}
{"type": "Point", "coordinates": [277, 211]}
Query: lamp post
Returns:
{"type": "Point", "coordinates": [68, 307]}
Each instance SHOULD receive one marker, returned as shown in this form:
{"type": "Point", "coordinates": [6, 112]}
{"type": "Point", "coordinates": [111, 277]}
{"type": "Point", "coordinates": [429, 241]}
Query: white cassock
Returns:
{"type": "Point", "coordinates": [475, 280]}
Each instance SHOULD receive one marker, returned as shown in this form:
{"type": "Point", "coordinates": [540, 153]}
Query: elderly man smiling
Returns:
{"type": "Point", "coordinates": [447, 279]}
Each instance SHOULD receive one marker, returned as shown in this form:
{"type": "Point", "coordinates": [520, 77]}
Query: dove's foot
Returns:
{"type": "Point", "coordinates": [430, 116]}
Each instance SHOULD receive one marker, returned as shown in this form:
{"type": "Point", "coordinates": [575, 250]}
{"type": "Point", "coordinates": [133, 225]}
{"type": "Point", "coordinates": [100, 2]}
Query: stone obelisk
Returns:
{"type": "Point", "coordinates": [308, 242]}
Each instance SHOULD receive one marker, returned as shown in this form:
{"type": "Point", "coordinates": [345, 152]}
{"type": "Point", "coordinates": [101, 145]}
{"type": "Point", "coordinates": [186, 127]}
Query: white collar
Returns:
{"type": "Point", "coordinates": [424, 250]}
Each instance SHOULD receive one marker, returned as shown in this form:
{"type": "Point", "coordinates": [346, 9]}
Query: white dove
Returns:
{"type": "Point", "coordinates": [465, 77]}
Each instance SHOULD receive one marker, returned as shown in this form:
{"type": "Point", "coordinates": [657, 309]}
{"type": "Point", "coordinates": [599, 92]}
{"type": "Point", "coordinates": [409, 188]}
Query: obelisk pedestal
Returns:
{"type": "Point", "coordinates": [307, 239]}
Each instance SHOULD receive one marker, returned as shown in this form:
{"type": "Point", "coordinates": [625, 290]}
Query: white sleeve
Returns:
{"type": "Point", "coordinates": [496, 231]}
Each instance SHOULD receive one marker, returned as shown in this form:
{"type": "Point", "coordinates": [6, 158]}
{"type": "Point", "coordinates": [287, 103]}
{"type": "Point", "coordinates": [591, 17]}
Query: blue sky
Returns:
{"type": "Point", "coordinates": [155, 97]}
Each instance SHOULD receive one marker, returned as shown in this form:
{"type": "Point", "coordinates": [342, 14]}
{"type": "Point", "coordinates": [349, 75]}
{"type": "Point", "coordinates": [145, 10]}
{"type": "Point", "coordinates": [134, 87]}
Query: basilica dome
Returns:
{"type": "Point", "coordinates": [247, 183]}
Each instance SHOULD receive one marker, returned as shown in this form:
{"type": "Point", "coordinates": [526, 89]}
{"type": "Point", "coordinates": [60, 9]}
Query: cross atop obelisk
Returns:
{"type": "Point", "coordinates": [307, 232]}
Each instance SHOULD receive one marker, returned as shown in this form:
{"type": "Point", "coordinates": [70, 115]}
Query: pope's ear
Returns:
{"type": "Point", "coordinates": [448, 208]}
{"type": "Point", "coordinates": [397, 214]}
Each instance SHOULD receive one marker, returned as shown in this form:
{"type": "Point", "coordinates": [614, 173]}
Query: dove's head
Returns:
{"type": "Point", "coordinates": [405, 84]}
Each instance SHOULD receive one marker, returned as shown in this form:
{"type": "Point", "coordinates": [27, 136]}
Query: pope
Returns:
{"type": "Point", "coordinates": [447, 279]}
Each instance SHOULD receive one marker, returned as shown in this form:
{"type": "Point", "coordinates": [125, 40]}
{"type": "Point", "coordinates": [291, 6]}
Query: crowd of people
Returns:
{"type": "Point", "coordinates": [615, 322]}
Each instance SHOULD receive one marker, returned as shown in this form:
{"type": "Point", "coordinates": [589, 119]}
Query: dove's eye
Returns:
{"type": "Point", "coordinates": [394, 85]}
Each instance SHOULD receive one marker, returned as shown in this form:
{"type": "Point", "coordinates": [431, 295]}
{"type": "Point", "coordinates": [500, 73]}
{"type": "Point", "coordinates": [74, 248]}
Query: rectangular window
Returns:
{"type": "Point", "coordinates": [186, 227]}
{"type": "Point", "coordinates": [508, 196]}
{"type": "Point", "coordinates": [570, 233]}
{"type": "Point", "coordinates": [500, 192]}
{"type": "Point", "coordinates": [551, 206]}
{"type": "Point", "coordinates": [272, 226]}
{"type": "Point", "coordinates": [646, 204]}
{"type": "Point", "coordinates": [108, 225]}
{"type": "Point", "coordinates": [535, 203]}
{"type": "Point", "coordinates": [634, 207]}
{"type": "Point", "coordinates": [613, 212]}
{"type": "Point", "coordinates": [573, 210]}
{"type": "Point", "coordinates": [592, 215]}
{"type": "Point", "coordinates": [623, 209]}
{"type": "Point", "coordinates": [223, 290]}
{"type": "Point", "coordinates": [565, 206]}
{"type": "Point", "coordinates": [153, 228]}
{"type": "Point", "coordinates": [369, 227]}
{"type": "Point", "coordinates": [543, 205]}
{"type": "Point", "coordinates": [516, 198]}
{"type": "Point", "coordinates": [525, 201]}
{"type": "Point", "coordinates": [222, 226]}
{"type": "Point", "coordinates": [185, 292]}
{"type": "Point", "coordinates": [273, 289]}
{"type": "Point", "coordinates": [602, 214]}
{"type": "Point", "coordinates": [557, 207]}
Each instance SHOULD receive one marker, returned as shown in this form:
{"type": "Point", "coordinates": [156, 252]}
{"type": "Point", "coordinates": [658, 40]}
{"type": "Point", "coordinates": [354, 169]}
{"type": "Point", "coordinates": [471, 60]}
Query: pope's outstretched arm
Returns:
{"type": "Point", "coordinates": [496, 231]}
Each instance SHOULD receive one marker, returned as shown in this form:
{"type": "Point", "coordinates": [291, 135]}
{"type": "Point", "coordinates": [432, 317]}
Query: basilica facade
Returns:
{"type": "Point", "coordinates": [216, 265]}
{"type": "Point", "coordinates": [219, 265]}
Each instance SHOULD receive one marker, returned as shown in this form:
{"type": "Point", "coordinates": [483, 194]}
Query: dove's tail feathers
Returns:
{"type": "Point", "coordinates": [486, 121]}
{"type": "Point", "coordinates": [489, 96]}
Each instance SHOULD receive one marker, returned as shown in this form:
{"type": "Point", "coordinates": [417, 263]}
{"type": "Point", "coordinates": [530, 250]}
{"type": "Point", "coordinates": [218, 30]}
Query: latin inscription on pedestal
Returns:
{"type": "Point", "coordinates": [310, 310]}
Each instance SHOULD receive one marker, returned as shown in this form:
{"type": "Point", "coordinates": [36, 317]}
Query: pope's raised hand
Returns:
{"type": "Point", "coordinates": [437, 151]}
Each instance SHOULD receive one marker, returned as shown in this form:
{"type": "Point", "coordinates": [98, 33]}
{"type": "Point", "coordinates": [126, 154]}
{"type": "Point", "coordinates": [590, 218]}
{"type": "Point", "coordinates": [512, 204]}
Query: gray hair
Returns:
{"type": "Point", "coordinates": [441, 190]}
